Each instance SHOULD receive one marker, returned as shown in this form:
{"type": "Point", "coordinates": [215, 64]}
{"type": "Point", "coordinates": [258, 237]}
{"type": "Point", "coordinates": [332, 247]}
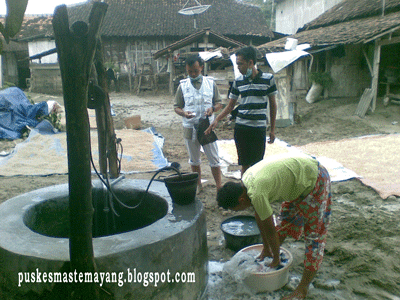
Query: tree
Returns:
{"type": "Point", "coordinates": [15, 16]}
{"type": "Point", "coordinates": [76, 47]}
{"type": "Point", "coordinates": [268, 9]}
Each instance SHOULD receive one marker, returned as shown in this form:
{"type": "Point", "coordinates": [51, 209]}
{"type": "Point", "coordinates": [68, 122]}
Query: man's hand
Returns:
{"type": "Point", "coordinates": [209, 111]}
{"type": "Point", "coordinates": [212, 126]}
{"type": "Point", "coordinates": [271, 138]}
{"type": "Point", "coordinates": [184, 114]}
{"type": "Point", "coordinates": [189, 114]}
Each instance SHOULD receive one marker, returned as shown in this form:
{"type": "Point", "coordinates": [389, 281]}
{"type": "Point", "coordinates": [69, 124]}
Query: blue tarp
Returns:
{"type": "Point", "coordinates": [158, 159]}
{"type": "Point", "coordinates": [16, 112]}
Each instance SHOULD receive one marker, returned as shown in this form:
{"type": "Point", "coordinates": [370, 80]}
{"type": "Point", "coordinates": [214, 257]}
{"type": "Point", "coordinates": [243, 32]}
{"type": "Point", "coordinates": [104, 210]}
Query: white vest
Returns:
{"type": "Point", "coordinates": [197, 101]}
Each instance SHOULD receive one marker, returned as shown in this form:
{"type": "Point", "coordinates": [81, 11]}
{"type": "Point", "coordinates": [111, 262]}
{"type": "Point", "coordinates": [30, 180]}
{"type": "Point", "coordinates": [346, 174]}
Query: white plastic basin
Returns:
{"type": "Point", "coordinates": [268, 281]}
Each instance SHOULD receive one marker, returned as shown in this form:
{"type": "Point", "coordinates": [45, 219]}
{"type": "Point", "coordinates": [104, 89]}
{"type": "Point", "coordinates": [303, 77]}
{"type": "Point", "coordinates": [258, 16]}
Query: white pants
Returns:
{"type": "Point", "coordinates": [211, 151]}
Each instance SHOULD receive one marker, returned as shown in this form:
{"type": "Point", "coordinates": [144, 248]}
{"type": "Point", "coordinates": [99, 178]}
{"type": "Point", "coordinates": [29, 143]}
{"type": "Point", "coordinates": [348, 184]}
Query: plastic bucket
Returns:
{"type": "Point", "coordinates": [235, 239]}
{"type": "Point", "coordinates": [182, 188]}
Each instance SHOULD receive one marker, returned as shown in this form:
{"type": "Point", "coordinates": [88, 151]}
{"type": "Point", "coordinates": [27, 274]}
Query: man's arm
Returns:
{"type": "Point", "coordinates": [185, 114]}
{"type": "Point", "coordinates": [213, 109]}
{"type": "Point", "coordinates": [216, 101]}
{"type": "Point", "coordinates": [179, 105]}
{"type": "Point", "coordinates": [272, 117]}
{"type": "Point", "coordinates": [227, 110]}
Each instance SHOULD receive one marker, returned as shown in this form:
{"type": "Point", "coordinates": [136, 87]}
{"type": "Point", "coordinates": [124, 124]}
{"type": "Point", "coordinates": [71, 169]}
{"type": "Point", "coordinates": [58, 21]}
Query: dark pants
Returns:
{"type": "Point", "coordinates": [250, 145]}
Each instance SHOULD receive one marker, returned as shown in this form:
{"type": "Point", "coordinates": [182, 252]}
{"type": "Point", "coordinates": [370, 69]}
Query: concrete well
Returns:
{"type": "Point", "coordinates": [157, 241]}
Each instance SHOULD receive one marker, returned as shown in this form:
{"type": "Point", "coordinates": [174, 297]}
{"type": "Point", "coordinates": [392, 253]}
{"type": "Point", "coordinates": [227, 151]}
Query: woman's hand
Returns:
{"type": "Point", "coordinates": [275, 263]}
{"type": "Point", "coordinates": [266, 252]}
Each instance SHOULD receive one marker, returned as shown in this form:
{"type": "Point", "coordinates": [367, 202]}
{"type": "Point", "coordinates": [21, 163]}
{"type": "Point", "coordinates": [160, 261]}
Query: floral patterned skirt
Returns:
{"type": "Point", "coordinates": [310, 214]}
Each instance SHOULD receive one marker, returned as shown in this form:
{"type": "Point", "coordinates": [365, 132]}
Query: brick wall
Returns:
{"type": "Point", "coordinates": [46, 79]}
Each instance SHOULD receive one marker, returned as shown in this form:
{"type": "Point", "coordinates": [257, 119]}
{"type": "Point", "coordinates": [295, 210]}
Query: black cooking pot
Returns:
{"type": "Point", "coordinates": [240, 232]}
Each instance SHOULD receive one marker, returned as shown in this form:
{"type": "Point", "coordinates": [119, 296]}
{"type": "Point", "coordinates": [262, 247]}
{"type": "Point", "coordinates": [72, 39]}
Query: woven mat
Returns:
{"type": "Point", "coordinates": [374, 158]}
{"type": "Point", "coordinates": [47, 154]}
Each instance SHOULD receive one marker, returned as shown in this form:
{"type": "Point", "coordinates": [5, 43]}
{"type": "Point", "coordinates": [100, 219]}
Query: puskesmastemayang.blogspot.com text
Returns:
{"type": "Point", "coordinates": [120, 278]}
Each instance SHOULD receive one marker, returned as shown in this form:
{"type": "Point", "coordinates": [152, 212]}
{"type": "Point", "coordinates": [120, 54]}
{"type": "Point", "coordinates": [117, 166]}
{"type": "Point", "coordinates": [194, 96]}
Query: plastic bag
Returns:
{"type": "Point", "coordinates": [205, 139]}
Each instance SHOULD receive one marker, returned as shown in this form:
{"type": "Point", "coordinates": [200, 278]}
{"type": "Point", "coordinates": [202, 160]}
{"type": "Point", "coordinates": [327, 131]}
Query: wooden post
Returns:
{"type": "Point", "coordinates": [291, 93]}
{"type": "Point", "coordinates": [171, 73]}
{"type": "Point", "coordinates": [375, 74]}
{"type": "Point", "coordinates": [205, 39]}
{"type": "Point", "coordinates": [98, 99]}
{"type": "Point", "coordinates": [328, 67]}
{"type": "Point", "coordinates": [130, 76]}
{"type": "Point", "coordinates": [76, 48]}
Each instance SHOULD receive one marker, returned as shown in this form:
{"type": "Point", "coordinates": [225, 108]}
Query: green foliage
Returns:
{"type": "Point", "coordinates": [15, 16]}
{"type": "Point", "coordinates": [268, 9]}
{"type": "Point", "coordinates": [7, 84]}
{"type": "Point", "coordinates": [323, 79]}
{"type": "Point", "coordinates": [53, 117]}
{"type": "Point", "coordinates": [111, 65]}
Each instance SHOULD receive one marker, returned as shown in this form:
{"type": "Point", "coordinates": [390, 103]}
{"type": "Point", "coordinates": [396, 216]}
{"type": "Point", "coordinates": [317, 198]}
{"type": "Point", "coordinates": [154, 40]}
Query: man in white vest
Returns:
{"type": "Point", "coordinates": [198, 96]}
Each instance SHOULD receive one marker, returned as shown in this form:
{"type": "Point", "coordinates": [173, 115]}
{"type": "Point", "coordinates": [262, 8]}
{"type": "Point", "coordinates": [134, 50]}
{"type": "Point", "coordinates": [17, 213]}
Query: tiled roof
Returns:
{"type": "Point", "coordinates": [155, 18]}
{"type": "Point", "coordinates": [198, 36]}
{"type": "Point", "coordinates": [352, 10]}
{"type": "Point", "coordinates": [139, 18]}
{"type": "Point", "coordinates": [34, 26]}
{"type": "Point", "coordinates": [323, 31]}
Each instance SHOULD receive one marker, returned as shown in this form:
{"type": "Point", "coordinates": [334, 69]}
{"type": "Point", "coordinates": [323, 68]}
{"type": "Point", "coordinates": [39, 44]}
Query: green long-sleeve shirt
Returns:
{"type": "Point", "coordinates": [279, 178]}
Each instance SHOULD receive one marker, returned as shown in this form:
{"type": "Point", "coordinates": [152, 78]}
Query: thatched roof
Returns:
{"type": "Point", "coordinates": [358, 25]}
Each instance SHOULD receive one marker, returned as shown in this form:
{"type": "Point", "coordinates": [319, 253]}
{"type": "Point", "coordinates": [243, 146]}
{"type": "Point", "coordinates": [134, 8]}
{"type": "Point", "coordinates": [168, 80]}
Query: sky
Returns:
{"type": "Point", "coordinates": [39, 7]}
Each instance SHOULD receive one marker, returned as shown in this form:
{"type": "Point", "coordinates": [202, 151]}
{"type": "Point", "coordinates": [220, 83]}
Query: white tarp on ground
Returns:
{"type": "Point", "coordinates": [230, 168]}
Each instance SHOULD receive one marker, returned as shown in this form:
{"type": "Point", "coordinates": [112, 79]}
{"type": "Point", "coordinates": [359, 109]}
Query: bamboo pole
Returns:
{"type": "Point", "coordinates": [103, 117]}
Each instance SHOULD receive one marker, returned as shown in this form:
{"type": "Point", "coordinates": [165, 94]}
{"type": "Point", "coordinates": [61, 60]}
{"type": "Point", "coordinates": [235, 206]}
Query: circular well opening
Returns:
{"type": "Point", "coordinates": [51, 217]}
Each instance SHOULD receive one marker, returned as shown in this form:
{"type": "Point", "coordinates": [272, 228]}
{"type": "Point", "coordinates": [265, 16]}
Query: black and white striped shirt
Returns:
{"type": "Point", "coordinates": [252, 109]}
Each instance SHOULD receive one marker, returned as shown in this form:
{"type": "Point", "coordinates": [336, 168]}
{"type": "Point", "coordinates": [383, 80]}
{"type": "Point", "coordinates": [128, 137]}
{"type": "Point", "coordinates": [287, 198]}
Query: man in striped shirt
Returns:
{"type": "Point", "coordinates": [256, 90]}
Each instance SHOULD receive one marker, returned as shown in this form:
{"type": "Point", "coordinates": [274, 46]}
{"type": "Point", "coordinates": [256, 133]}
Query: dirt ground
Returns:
{"type": "Point", "coordinates": [362, 259]}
